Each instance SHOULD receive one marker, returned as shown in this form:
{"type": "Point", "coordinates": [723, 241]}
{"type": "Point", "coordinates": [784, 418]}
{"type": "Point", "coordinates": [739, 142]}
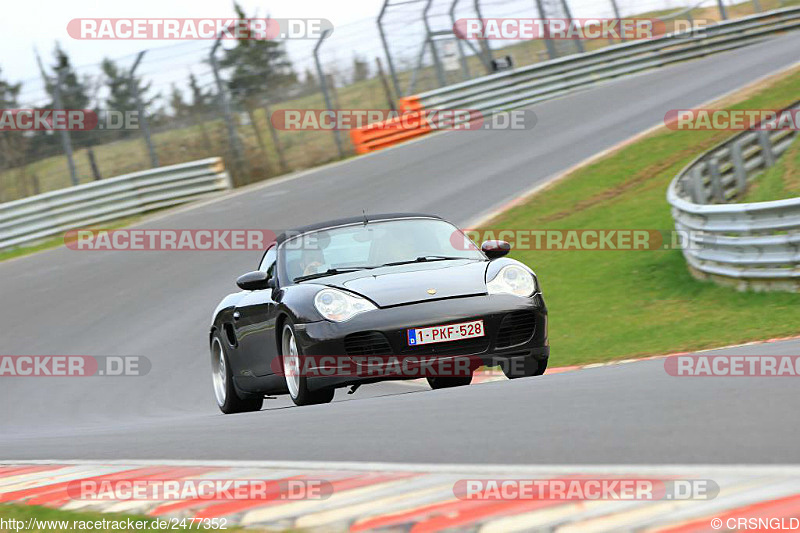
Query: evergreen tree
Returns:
{"type": "Point", "coordinates": [261, 70]}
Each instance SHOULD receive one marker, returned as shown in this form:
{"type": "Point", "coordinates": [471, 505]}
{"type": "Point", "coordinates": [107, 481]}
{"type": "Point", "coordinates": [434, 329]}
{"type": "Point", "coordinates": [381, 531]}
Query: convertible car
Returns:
{"type": "Point", "coordinates": [340, 303]}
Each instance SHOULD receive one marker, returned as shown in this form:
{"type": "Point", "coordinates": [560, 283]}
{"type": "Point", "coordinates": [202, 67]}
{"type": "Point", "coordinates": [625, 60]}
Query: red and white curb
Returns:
{"type": "Point", "coordinates": [408, 497]}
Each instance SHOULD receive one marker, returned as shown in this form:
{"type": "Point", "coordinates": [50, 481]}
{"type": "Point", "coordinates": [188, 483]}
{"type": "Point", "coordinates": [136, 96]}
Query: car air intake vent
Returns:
{"type": "Point", "coordinates": [367, 343]}
{"type": "Point", "coordinates": [516, 328]}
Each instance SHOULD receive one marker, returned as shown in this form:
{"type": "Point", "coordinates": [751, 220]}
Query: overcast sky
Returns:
{"type": "Point", "coordinates": [26, 24]}
{"type": "Point", "coordinates": [29, 24]}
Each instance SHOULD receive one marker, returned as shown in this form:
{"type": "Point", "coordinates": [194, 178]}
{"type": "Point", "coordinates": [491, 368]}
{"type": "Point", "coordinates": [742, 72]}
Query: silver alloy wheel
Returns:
{"type": "Point", "coordinates": [291, 362]}
{"type": "Point", "coordinates": [219, 372]}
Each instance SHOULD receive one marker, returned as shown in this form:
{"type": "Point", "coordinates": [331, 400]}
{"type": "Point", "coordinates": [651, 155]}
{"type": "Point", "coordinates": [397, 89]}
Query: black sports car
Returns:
{"type": "Point", "coordinates": [371, 298]}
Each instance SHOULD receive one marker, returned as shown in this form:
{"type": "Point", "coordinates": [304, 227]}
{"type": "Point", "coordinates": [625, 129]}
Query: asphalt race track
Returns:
{"type": "Point", "coordinates": [158, 304]}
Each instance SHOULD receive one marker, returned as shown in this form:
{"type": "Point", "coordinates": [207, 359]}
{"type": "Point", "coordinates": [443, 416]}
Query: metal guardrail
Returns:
{"type": "Point", "coordinates": [552, 78]}
{"type": "Point", "coordinates": [37, 217]}
{"type": "Point", "coordinates": [748, 245]}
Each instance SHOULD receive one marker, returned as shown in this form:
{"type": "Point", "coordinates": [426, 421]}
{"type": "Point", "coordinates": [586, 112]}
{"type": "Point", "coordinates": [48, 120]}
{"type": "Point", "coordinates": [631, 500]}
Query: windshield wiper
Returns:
{"type": "Point", "coordinates": [425, 259]}
{"type": "Point", "coordinates": [331, 272]}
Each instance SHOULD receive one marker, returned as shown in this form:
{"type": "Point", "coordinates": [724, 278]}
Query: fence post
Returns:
{"type": "Point", "coordinates": [484, 43]}
{"type": "Point", "coordinates": [324, 87]}
{"type": "Point", "coordinates": [236, 146]}
{"type": "Point", "coordinates": [93, 164]}
{"type": "Point", "coordinates": [568, 13]}
{"type": "Point", "coordinates": [275, 140]}
{"type": "Point", "coordinates": [384, 83]}
{"type": "Point", "coordinates": [436, 61]}
{"type": "Point", "coordinates": [548, 42]}
{"type": "Point", "coordinates": [461, 57]}
{"type": "Point", "coordinates": [134, 88]}
{"type": "Point", "coordinates": [722, 11]}
{"type": "Point", "coordinates": [757, 6]}
{"type": "Point", "coordinates": [66, 142]}
{"type": "Point", "coordinates": [392, 71]}
{"type": "Point", "coordinates": [615, 6]}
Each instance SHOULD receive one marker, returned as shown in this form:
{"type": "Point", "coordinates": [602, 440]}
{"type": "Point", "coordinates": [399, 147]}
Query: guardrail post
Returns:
{"type": "Point", "coordinates": [739, 170]}
{"type": "Point", "coordinates": [716, 180]}
{"type": "Point", "coordinates": [698, 191]}
{"type": "Point", "coordinates": [766, 148]}
{"type": "Point", "coordinates": [757, 6]}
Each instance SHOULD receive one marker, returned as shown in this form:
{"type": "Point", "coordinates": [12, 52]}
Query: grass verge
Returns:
{"type": "Point", "coordinates": [58, 240]}
{"type": "Point", "coordinates": [607, 305]}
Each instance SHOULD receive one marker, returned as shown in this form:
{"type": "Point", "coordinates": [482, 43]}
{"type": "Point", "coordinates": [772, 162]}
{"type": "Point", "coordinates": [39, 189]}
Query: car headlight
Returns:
{"type": "Point", "coordinates": [339, 306]}
{"type": "Point", "coordinates": [512, 279]}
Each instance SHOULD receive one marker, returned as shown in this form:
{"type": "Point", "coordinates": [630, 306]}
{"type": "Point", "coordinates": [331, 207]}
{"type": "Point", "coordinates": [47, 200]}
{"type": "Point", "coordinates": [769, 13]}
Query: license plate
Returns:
{"type": "Point", "coordinates": [446, 333]}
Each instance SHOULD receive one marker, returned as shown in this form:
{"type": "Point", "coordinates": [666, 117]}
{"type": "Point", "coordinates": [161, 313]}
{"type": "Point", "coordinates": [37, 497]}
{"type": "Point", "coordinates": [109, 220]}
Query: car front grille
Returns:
{"type": "Point", "coordinates": [460, 347]}
{"type": "Point", "coordinates": [367, 343]}
{"type": "Point", "coordinates": [515, 328]}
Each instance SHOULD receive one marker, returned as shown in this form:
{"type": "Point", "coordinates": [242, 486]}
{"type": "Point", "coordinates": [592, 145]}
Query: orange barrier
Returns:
{"type": "Point", "coordinates": [393, 131]}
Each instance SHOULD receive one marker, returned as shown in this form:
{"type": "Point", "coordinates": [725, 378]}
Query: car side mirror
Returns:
{"type": "Point", "coordinates": [254, 281]}
{"type": "Point", "coordinates": [495, 249]}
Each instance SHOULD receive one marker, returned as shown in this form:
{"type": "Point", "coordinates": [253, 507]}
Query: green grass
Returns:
{"type": "Point", "coordinates": [778, 182]}
{"type": "Point", "coordinates": [58, 240]}
{"type": "Point", "coordinates": [608, 305]}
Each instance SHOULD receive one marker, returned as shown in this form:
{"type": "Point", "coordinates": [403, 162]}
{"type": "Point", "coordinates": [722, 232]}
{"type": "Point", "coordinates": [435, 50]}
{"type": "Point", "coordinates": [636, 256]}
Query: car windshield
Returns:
{"type": "Point", "coordinates": [375, 244]}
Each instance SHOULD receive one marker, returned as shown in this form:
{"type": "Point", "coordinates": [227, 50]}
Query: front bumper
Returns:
{"type": "Point", "coordinates": [320, 340]}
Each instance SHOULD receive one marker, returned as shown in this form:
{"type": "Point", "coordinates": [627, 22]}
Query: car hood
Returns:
{"type": "Point", "coordinates": [405, 284]}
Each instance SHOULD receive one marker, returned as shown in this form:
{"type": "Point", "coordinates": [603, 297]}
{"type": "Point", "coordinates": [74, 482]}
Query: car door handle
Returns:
{"type": "Point", "coordinates": [237, 315]}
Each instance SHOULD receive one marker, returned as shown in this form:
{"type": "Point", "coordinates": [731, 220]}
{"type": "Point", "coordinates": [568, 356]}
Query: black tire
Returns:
{"type": "Point", "coordinates": [298, 385]}
{"type": "Point", "coordinates": [524, 368]}
{"type": "Point", "coordinates": [446, 383]}
{"type": "Point", "coordinates": [227, 398]}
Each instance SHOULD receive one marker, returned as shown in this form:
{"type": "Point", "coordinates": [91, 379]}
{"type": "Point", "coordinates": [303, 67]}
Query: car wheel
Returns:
{"type": "Point", "coordinates": [296, 383]}
{"type": "Point", "coordinates": [228, 400]}
{"type": "Point", "coordinates": [524, 367]}
{"type": "Point", "coordinates": [446, 383]}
